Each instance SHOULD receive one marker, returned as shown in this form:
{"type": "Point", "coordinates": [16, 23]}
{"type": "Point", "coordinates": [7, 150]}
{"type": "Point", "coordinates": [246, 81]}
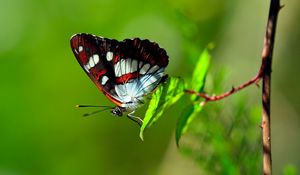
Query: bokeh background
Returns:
{"type": "Point", "coordinates": [42, 133]}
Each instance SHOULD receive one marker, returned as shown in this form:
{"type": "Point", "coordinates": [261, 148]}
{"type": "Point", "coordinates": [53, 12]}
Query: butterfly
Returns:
{"type": "Point", "coordinates": [125, 71]}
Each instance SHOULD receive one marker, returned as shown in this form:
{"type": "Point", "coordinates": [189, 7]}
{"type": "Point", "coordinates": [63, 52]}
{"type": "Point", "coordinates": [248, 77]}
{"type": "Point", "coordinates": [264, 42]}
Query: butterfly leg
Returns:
{"type": "Point", "coordinates": [137, 120]}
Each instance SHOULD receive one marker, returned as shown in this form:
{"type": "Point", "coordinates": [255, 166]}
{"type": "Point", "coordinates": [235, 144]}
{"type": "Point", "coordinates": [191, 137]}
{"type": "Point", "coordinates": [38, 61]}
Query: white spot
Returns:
{"type": "Point", "coordinates": [80, 48]}
{"type": "Point", "coordinates": [153, 69]}
{"type": "Point", "coordinates": [134, 65]}
{"type": "Point", "coordinates": [109, 56]}
{"type": "Point", "coordinates": [122, 66]}
{"type": "Point", "coordinates": [152, 80]}
{"type": "Point", "coordinates": [91, 62]}
{"type": "Point", "coordinates": [117, 69]}
{"type": "Point", "coordinates": [96, 58]}
{"type": "Point", "coordinates": [104, 80]}
{"type": "Point", "coordinates": [127, 66]}
{"type": "Point", "coordinates": [145, 68]}
{"type": "Point", "coordinates": [87, 67]}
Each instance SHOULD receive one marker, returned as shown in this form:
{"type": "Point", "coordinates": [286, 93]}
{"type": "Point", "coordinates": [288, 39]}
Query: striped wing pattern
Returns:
{"type": "Point", "coordinates": [124, 71]}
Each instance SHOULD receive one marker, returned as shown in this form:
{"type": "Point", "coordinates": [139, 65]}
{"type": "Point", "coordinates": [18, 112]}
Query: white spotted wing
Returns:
{"type": "Point", "coordinates": [124, 71]}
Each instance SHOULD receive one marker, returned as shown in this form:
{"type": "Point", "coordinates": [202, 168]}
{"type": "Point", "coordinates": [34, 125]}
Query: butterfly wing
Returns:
{"type": "Point", "coordinates": [91, 52]}
{"type": "Point", "coordinates": [124, 71]}
{"type": "Point", "coordinates": [142, 64]}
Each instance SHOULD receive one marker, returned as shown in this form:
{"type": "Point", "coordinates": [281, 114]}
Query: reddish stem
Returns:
{"type": "Point", "coordinates": [253, 80]}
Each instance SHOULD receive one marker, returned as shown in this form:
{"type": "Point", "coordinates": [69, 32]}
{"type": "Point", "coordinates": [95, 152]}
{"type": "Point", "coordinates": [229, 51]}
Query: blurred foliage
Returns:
{"type": "Point", "coordinates": [226, 141]}
{"type": "Point", "coordinates": [222, 139]}
{"type": "Point", "coordinates": [42, 133]}
{"type": "Point", "coordinates": [289, 170]}
{"type": "Point", "coordinates": [185, 119]}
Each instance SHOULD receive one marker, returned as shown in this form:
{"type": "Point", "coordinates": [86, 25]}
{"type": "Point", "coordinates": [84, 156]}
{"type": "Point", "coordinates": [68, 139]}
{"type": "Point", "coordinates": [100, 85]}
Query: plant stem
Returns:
{"type": "Point", "coordinates": [208, 98]}
{"type": "Point", "coordinates": [267, 54]}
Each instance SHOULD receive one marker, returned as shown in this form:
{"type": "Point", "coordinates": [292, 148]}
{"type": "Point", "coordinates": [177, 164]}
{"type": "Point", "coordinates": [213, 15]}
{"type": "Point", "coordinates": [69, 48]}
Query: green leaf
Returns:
{"type": "Point", "coordinates": [198, 81]}
{"type": "Point", "coordinates": [200, 72]}
{"type": "Point", "coordinates": [165, 96]}
{"type": "Point", "coordinates": [185, 120]}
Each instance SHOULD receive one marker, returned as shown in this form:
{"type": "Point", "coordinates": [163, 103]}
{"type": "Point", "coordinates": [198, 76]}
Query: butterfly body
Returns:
{"type": "Point", "coordinates": [126, 71]}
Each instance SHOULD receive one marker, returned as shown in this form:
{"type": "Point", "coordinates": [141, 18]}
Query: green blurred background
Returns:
{"type": "Point", "coordinates": [41, 131]}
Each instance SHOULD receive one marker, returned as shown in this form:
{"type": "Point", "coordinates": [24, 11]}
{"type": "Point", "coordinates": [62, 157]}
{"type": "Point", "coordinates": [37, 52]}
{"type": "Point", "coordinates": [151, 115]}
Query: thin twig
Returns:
{"type": "Point", "coordinates": [208, 98]}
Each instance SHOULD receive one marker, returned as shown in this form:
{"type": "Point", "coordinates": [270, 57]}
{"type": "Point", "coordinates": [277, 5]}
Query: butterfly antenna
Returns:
{"type": "Point", "coordinates": [92, 106]}
{"type": "Point", "coordinates": [95, 112]}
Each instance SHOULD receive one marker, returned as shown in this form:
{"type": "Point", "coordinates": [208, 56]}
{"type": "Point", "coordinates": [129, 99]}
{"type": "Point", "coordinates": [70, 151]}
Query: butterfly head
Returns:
{"type": "Point", "coordinates": [118, 111]}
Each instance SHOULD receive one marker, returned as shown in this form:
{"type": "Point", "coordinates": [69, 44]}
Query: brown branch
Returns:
{"type": "Point", "coordinates": [267, 54]}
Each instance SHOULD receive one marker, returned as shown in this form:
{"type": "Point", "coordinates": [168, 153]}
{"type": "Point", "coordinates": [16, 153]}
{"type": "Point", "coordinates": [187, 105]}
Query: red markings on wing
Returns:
{"type": "Point", "coordinates": [116, 59]}
{"type": "Point", "coordinates": [112, 99]}
{"type": "Point", "coordinates": [96, 73]}
{"type": "Point", "coordinates": [125, 78]}
{"type": "Point", "coordinates": [83, 58]}
{"type": "Point", "coordinates": [87, 42]}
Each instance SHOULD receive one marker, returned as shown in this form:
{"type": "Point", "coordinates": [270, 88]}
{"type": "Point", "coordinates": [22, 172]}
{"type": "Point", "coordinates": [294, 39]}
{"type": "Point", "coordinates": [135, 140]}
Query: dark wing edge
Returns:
{"type": "Point", "coordinates": [146, 50]}
{"type": "Point", "coordinates": [84, 46]}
